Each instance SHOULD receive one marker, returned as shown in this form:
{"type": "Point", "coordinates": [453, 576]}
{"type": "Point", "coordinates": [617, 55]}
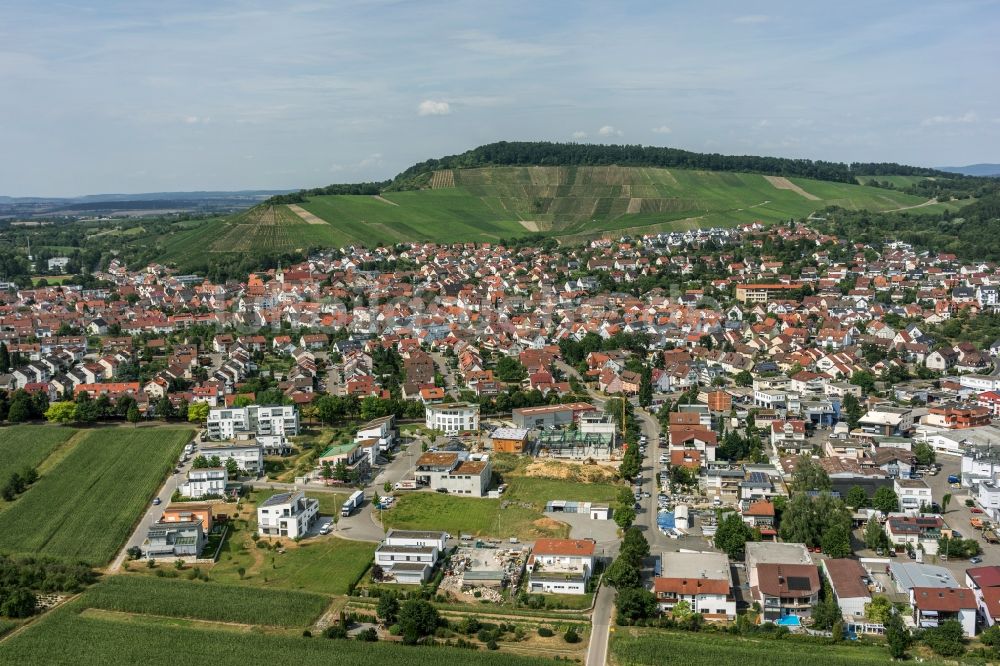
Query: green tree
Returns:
{"type": "Point", "coordinates": [4, 358]}
{"type": "Point", "coordinates": [924, 453]}
{"type": "Point", "coordinates": [806, 518]}
{"type": "Point", "coordinates": [875, 537]}
{"type": "Point", "coordinates": [200, 462]}
{"type": "Point", "coordinates": [165, 408]}
{"type": "Point", "coordinates": [646, 388]}
{"type": "Point", "coordinates": [622, 574]}
{"type": "Point", "coordinates": [624, 516]}
{"type": "Point", "coordinates": [732, 535]}
{"type": "Point", "coordinates": [387, 609]}
{"type": "Point", "coordinates": [945, 501]}
{"type": "Point", "coordinates": [879, 610]}
{"type": "Point", "coordinates": [947, 639]}
{"type": "Point", "coordinates": [417, 618]}
{"type": "Point", "coordinates": [836, 541]}
{"type": "Point", "coordinates": [897, 636]}
{"type": "Point", "coordinates": [19, 602]}
{"type": "Point", "coordinates": [809, 475]}
{"type": "Point", "coordinates": [634, 546]}
{"type": "Point", "coordinates": [61, 412]}
{"type": "Point", "coordinates": [133, 414]}
{"type": "Point", "coordinates": [198, 412]}
{"type": "Point", "coordinates": [826, 612]}
{"type": "Point", "coordinates": [510, 370]}
{"type": "Point", "coordinates": [634, 603]}
{"type": "Point", "coordinates": [885, 500]}
{"type": "Point", "coordinates": [852, 408]}
{"type": "Point", "coordinates": [744, 378]}
{"type": "Point", "coordinates": [856, 497]}
{"type": "Point", "coordinates": [20, 408]}
{"type": "Point", "coordinates": [232, 468]}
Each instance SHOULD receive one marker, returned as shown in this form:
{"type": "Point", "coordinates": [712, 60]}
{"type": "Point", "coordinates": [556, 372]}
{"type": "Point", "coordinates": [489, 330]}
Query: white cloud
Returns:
{"type": "Point", "coordinates": [375, 159]}
{"type": "Point", "coordinates": [967, 117]}
{"type": "Point", "coordinates": [488, 44]}
{"type": "Point", "coordinates": [197, 120]}
{"type": "Point", "coordinates": [430, 107]}
{"type": "Point", "coordinates": [609, 130]}
{"type": "Point", "coordinates": [662, 129]}
{"type": "Point", "coordinates": [579, 134]}
{"type": "Point", "coordinates": [752, 19]}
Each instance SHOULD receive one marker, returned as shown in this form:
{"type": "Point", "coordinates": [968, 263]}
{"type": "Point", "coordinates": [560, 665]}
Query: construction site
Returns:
{"type": "Point", "coordinates": [485, 571]}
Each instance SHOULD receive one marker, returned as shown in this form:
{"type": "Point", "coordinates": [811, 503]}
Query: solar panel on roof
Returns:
{"type": "Point", "coordinates": [798, 583]}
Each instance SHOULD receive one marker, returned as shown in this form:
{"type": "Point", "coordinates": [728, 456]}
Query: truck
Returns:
{"type": "Point", "coordinates": [352, 503]}
{"type": "Point", "coordinates": [989, 536]}
{"type": "Point", "coordinates": [406, 484]}
{"type": "Point", "coordinates": [977, 523]}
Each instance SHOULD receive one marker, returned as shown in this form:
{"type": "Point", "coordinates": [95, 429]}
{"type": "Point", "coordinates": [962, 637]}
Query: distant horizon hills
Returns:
{"type": "Point", "coordinates": [983, 169]}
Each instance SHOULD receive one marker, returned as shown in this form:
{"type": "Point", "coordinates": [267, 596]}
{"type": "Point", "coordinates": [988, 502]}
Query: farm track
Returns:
{"type": "Point", "coordinates": [60, 453]}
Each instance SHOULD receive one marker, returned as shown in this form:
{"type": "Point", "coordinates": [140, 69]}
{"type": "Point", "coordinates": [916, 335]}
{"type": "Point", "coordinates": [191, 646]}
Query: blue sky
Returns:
{"type": "Point", "coordinates": [147, 96]}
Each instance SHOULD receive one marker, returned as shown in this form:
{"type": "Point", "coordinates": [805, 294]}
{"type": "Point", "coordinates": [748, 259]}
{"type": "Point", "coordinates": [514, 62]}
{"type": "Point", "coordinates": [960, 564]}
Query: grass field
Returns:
{"type": "Point", "coordinates": [206, 601]}
{"type": "Point", "coordinates": [27, 446]}
{"type": "Point", "coordinates": [654, 647]}
{"type": "Point", "coordinates": [488, 517]}
{"type": "Point", "coordinates": [68, 637]}
{"type": "Point", "coordinates": [570, 203]}
{"type": "Point", "coordinates": [87, 505]}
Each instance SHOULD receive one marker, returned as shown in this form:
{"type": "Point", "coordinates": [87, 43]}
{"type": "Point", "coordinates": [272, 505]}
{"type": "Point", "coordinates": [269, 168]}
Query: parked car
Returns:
{"type": "Point", "coordinates": [156, 501]}
{"type": "Point", "coordinates": [975, 560]}
{"type": "Point", "coordinates": [976, 509]}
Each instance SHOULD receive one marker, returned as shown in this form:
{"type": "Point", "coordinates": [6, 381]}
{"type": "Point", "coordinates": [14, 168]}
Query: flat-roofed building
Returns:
{"type": "Point", "coordinates": [455, 472]}
{"type": "Point", "coordinates": [452, 418]}
{"type": "Point", "coordinates": [550, 415]}
{"type": "Point", "coordinates": [509, 440]}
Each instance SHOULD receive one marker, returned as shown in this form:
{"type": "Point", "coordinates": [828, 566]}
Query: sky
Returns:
{"type": "Point", "coordinates": [139, 96]}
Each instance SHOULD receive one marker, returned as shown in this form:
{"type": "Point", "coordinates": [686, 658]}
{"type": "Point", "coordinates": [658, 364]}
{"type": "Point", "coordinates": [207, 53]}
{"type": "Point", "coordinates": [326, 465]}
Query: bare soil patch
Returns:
{"type": "Point", "coordinates": [634, 206]}
{"type": "Point", "coordinates": [530, 225]}
{"type": "Point", "coordinates": [306, 216]}
{"type": "Point", "coordinates": [548, 469]}
{"type": "Point", "coordinates": [782, 183]}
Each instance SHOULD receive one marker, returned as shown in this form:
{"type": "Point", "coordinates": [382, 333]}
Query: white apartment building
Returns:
{"type": "Point", "coordinates": [452, 418]}
{"type": "Point", "coordinates": [408, 556]}
{"type": "Point", "coordinates": [286, 515]}
{"type": "Point", "coordinates": [203, 482]}
{"type": "Point", "coordinates": [228, 422]}
{"type": "Point", "coordinates": [248, 457]}
{"type": "Point", "coordinates": [912, 493]}
{"type": "Point", "coordinates": [457, 472]}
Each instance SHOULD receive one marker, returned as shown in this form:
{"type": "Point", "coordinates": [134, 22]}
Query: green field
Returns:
{"type": "Point", "coordinates": [488, 517]}
{"type": "Point", "coordinates": [206, 601]}
{"type": "Point", "coordinates": [65, 636]}
{"type": "Point", "coordinates": [86, 506]}
{"type": "Point", "coordinates": [655, 647]}
{"type": "Point", "coordinates": [570, 203]}
{"type": "Point", "coordinates": [27, 446]}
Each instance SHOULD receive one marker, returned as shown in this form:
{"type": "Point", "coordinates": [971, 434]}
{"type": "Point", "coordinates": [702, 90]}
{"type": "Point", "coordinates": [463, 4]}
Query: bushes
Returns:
{"type": "Point", "coordinates": [571, 636]}
{"type": "Point", "coordinates": [545, 632]}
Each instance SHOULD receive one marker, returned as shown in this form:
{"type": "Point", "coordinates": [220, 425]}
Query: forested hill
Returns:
{"type": "Point", "coordinates": [972, 232]}
{"type": "Point", "coordinates": [545, 153]}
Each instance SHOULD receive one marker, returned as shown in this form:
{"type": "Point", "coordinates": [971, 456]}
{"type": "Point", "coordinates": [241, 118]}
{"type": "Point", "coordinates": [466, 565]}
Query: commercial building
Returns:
{"type": "Point", "coordinates": [550, 415]}
{"type": "Point", "coordinates": [452, 418]}
{"type": "Point", "coordinates": [455, 472]}
{"type": "Point", "coordinates": [764, 293]}
{"type": "Point", "coordinates": [509, 440]}
{"type": "Point", "coordinates": [561, 566]}
{"type": "Point", "coordinates": [286, 515]}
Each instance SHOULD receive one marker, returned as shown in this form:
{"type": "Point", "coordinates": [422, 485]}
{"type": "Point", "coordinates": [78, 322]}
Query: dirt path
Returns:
{"type": "Point", "coordinates": [60, 452]}
{"type": "Point", "coordinates": [929, 202]}
{"type": "Point", "coordinates": [306, 216]}
{"type": "Point", "coordinates": [530, 225]}
{"type": "Point", "coordinates": [379, 197]}
{"type": "Point", "coordinates": [782, 183]}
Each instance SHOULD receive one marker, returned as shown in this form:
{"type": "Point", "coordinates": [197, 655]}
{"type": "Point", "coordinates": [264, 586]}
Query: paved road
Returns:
{"type": "Point", "coordinates": [152, 515]}
{"type": "Point", "coordinates": [597, 650]}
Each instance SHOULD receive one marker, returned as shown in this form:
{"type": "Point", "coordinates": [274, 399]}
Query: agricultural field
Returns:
{"type": "Point", "coordinates": [86, 506]}
{"type": "Point", "coordinates": [206, 601]}
{"type": "Point", "coordinates": [27, 446]}
{"type": "Point", "coordinates": [634, 647]}
{"type": "Point", "coordinates": [493, 203]}
{"type": "Point", "coordinates": [77, 636]}
{"type": "Point", "coordinates": [519, 513]}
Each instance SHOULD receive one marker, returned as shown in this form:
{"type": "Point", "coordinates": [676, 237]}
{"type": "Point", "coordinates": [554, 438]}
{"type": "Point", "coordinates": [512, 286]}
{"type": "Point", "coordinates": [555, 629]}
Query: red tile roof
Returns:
{"type": "Point", "coordinates": [583, 547]}
{"type": "Point", "coordinates": [947, 599]}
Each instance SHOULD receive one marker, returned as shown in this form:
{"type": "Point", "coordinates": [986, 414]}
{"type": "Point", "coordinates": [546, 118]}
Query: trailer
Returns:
{"type": "Point", "coordinates": [406, 484]}
{"type": "Point", "coordinates": [352, 503]}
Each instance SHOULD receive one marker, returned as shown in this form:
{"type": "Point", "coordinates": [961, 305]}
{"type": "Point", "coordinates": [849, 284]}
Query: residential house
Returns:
{"type": "Point", "coordinates": [286, 515]}
{"type": "Point", "coordinates": [408, 557]}
{"type": "Point", "coordinates": [561, 566]}
{"type": "Point", "coordinates": [703, 580]}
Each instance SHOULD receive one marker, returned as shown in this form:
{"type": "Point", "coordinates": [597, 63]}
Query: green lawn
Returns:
{"type": "Point", "coordinates": [65, 637]}
{"type": "Point", "coordinates": [87, 505]}
{"type": "Point", "coordinates": [631, 647]}
{"type": "Point", "coordinates": [27, 446]}
{"type": "Point", "coordinates": [488, 517]}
